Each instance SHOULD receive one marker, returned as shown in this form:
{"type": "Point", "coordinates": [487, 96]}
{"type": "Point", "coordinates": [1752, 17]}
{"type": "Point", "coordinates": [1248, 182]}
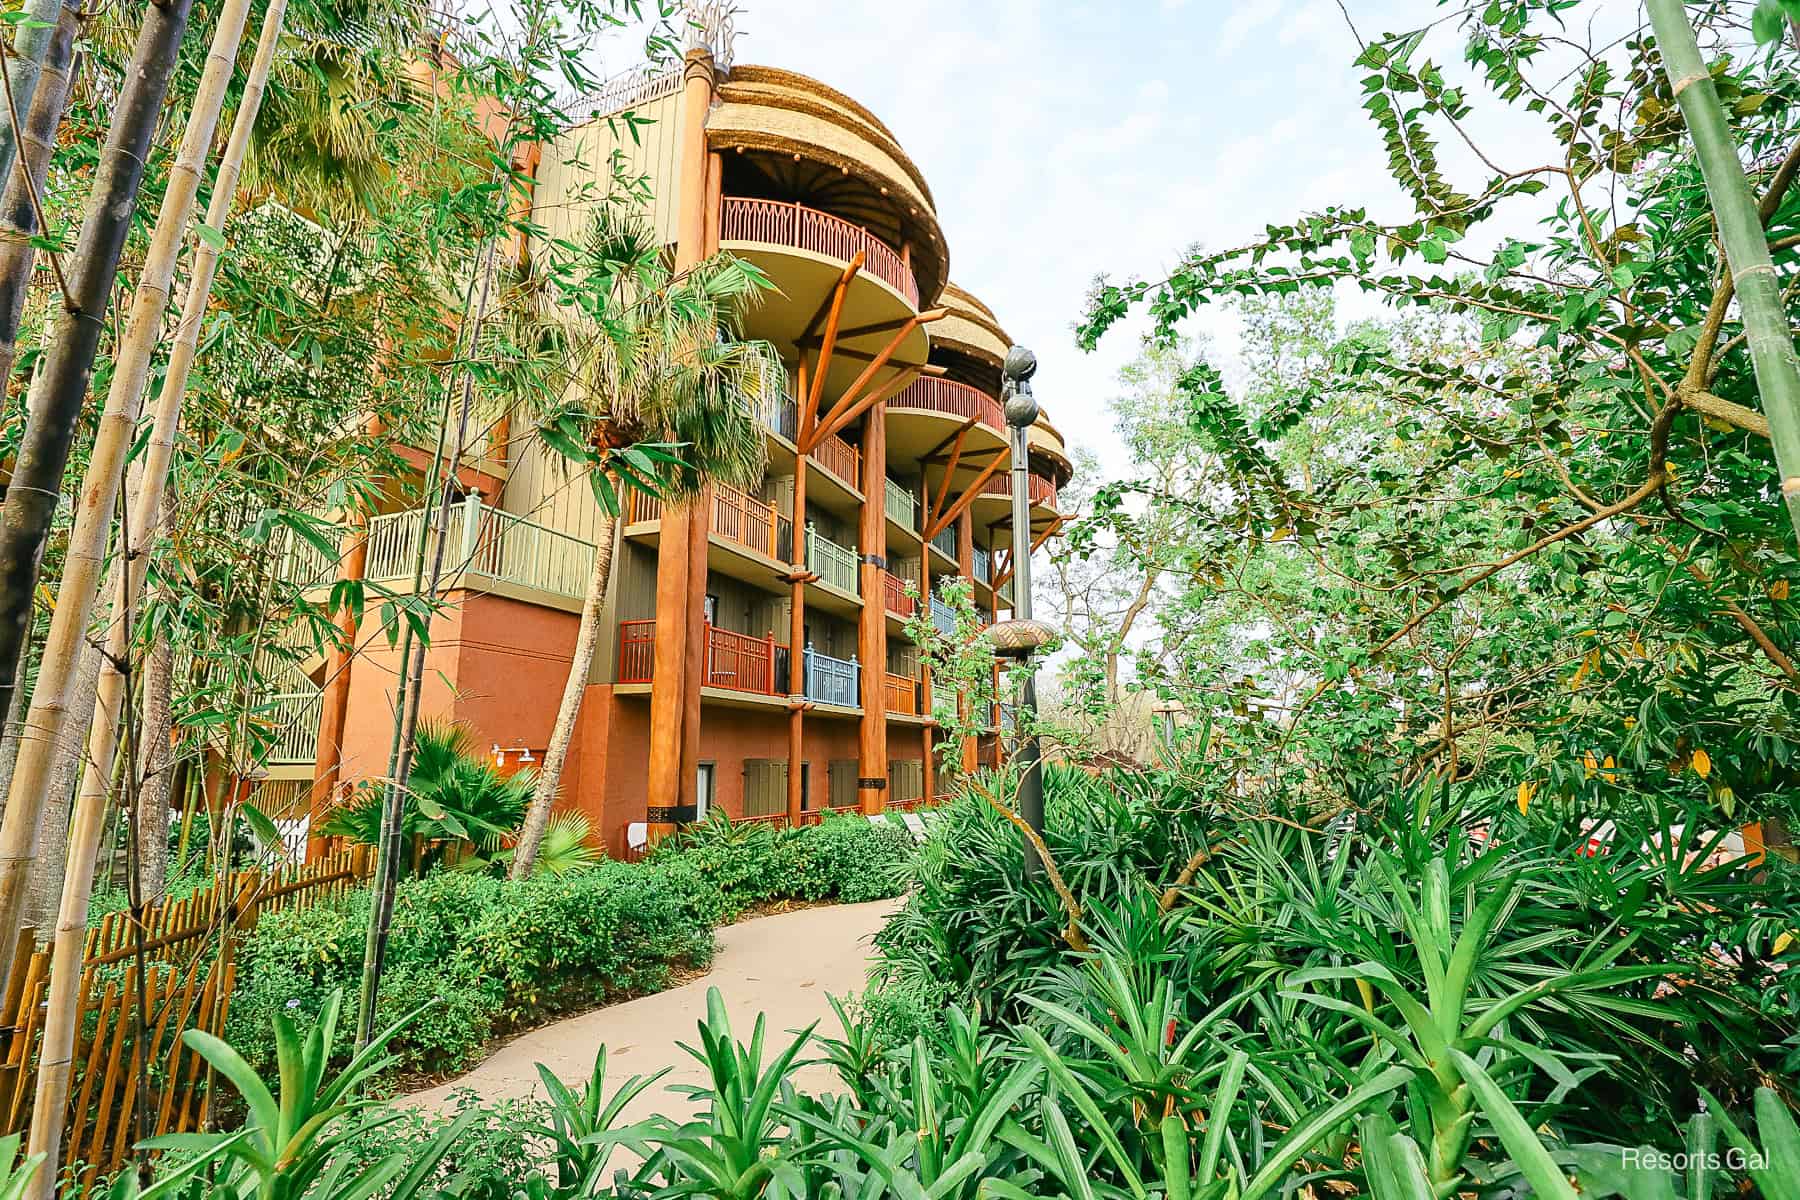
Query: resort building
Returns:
{"type": "Point", "coordinates": [752, 658]}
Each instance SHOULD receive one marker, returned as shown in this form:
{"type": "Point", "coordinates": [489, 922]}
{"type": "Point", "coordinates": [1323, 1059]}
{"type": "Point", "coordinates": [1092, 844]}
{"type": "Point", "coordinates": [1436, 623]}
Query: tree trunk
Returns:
{"type": "Point", "coordinates": [75, 596]}
{"type": "Point", "coordinates": [412, 662]}
{"type": "Point", "coordinates": [156, 745]}
{"type": "Point", "coordinates": [33, 42]}
{"type": "Point", "coordinates": [41, 116]}
{"type": "Point", "coordinates": [60, 390]}
{"type": "Point", "coordinates": [1746, 245]}
{"type": "Point", "coordinates": [59, 794]}
{"type": "Point", "coordinates": [587, 637]}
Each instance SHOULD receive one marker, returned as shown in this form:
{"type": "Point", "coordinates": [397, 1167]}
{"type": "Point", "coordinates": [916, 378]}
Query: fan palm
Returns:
{"type": "Point", "coordinates": [454, 794]}
{"type": "Point", "coordinates": [667, 389]}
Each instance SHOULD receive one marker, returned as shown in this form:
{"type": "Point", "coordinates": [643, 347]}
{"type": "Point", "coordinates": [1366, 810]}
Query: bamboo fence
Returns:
{"type": "Point", "coordinates": [177, 976]}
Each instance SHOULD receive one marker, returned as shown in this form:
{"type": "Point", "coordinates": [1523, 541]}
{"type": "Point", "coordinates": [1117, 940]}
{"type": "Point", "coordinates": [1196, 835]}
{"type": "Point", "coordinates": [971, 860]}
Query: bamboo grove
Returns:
{"type": "Point", "coordinates": [251, 248]}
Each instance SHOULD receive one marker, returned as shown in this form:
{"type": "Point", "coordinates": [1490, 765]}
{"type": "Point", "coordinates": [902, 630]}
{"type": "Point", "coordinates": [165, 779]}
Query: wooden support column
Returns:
{"type": "Point", "coordinates": [328, 760]}
{"type": "Point", "coordinates": [924, 666]}
{"type": "Point", "coordinates": [796, 800]}
{"type": "Point", "coordinates": [693, 674]}
{"type": "Point", "coordinates": [872, 758]}
{"type": "Point", "coordinates": [965, 566]}
{"type": "Point", "coordinates": [675, 595]}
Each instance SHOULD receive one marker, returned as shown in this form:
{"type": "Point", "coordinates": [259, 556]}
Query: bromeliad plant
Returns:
{"type": "Point", "coordinates": [290, 1143]}
{"type": "Point", "coordinates": [1449, 1041]}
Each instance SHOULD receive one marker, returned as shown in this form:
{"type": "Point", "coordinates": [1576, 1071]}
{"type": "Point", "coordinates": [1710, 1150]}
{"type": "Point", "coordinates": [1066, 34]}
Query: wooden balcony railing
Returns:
{"type": "Point", "coordinates": [902, 694]}
{"type": "Point", "coordinates": [294, 719]}
{"type": "Point", "coordinates": [834, 564]}
{"type": "Point", "coordinates": [936, 394]}
{"type": "Point", "coordinates": [637, 651]}
{"type": "Point", "coordinates": [737, 517]}
{"type": "Point", "coordinates": [841, 459]}
{"type": "Point", "coordinates": [782, 224]}
{"type": "Point", "coordinates": [751, 523]}
{"type": "Point", "coordinates": [733, 660]}
{"type": "Point", "coordinates": [485, 542]}
{"type": "Point", "coordinates": [902, 506]}
{"type": "Point", "coordinates": [1038, 489]}
{"type": "Point", "coordinates": [833, 680]}
{"type": "Point", "coordinates": [893, 594]}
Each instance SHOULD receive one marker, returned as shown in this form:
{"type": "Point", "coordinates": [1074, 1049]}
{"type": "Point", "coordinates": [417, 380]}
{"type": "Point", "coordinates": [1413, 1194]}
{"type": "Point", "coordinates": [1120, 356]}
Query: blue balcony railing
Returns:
{"type": "Point", "coordinates": [832, 680]}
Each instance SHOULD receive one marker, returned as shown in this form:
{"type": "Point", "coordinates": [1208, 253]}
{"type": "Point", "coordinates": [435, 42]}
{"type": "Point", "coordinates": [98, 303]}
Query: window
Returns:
{"type": "Point", "coordinates": [703, 791]}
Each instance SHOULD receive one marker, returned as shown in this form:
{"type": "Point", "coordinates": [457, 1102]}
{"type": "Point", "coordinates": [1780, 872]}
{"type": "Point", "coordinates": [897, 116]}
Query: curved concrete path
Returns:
{"type": "Point", "coordinates": [782, 966]}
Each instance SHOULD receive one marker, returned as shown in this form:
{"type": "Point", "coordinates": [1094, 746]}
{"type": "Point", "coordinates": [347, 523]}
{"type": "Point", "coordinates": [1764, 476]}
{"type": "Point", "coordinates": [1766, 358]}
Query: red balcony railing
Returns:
{"type": "Point", "coordinates": [747, 664]}
{"type": "Point", "coordinates": [637, 651]}
{"type": "Point", "coordinates": [1037, 488]}
{"type": "Point", "coordinates": [936, 394]}
{"type": "Point", "coordinates": [733, 660]}
{"type": "Point", "coordinates": [779, 223]}
{"type": "Point", "coordinates": [902, 694]}
{"type": "Point", "coordinates": [841, 459]}
{"type": "Point", "coordinates": [893, 593]}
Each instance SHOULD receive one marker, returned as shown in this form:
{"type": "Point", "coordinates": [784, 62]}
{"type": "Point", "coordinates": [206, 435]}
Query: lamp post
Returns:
{"type": "Point", "coordinates": [1021, 414]}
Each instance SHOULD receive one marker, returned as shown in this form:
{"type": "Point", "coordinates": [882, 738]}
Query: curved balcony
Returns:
{"type": "Point", "coordinates": [934, 394]}
{"type": "Point", "coordinates": [778, 223]}
{"type": "Point", "coordinates": [1038, 489]}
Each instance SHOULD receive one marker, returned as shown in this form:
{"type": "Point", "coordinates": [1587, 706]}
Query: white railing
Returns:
{"type": "Point", "coordinates": [302, 564]}
{"type": "Point", "coordinates": [832, 680]}
{"type": "Point", "coordinates": [831, 562]}
{"type": "Point", "coordinates": [294, 717]}
{"type": "Point", "coordinates": [485, 542]}
{"type": "Point", "coordinates": [902, 506]}
{"type": "Point", "coordinates": [631, 89]}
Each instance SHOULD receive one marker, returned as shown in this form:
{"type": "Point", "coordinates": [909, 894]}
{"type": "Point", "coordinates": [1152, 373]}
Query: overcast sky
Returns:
{"type": "Point", "coordinates": [1063, 138]}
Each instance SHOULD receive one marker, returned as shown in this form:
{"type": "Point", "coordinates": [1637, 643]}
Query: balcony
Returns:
{"type": "Point", "coordinates": [945, 542]}
{"type": "Point", "coordinates": [777, 223]}
{"type": "Point", "coordinates": [894, 597]}
{"type": "Point", "coordinates": [832, 680]}
{"type": "Point", "coordinates": [902, 694]}
{"type": "Point", "coordinates": [751, 523]}
{"type": "Point", "coordinates": [901, 505]}
{"type": "Point", "coordinates": [936, 394]}
{"type": "Point", "coordinates": [733, 660]}
{"type": "Point", "coordinates": [1038, 490]}
{"type": "Point", "coordinates": [984, 565]}
{"type": "Point", "coordinates": [293, 718]}
{"type": "Point", "coordinates": [841, 459]}
{"type": "Point", "coordinates": [737, 517]}
{"type": "Point", "coordinates": [943, 617]}
{"type": "Point", "coordinates": [483, 545]}
{"type": "Point", "coordinates": [832, 563]}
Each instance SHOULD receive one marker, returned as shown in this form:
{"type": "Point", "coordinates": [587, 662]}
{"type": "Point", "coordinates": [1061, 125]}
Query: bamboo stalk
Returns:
{"type": "Point", "coordinates": [58, 395]}
{"type": "Point", "coordinates": [1741, 232]}
{"type": "Point", "coordinates": [32, 41]}
{"type": "Point", "coordinates": [131, 372]}
{"type": "Point", "coordinates": [43, 113]}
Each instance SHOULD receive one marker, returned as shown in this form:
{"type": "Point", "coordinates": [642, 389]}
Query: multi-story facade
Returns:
{"type": "Point", "coordinates": [753, 658]}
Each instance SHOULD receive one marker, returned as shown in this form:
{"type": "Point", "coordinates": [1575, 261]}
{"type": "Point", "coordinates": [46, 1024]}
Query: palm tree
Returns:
{"type": "Point", "coordinates": [453, 794]}
{"type": "Point", "coordinates": [669, 391]}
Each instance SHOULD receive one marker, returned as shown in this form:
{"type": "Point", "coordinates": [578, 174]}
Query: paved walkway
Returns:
{"type": "Point", "coordinates": [783, 966]}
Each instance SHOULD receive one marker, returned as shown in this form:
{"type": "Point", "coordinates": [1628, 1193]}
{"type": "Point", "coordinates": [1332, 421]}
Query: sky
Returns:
{"type": "Point", "coordinates": [1063, 139]}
